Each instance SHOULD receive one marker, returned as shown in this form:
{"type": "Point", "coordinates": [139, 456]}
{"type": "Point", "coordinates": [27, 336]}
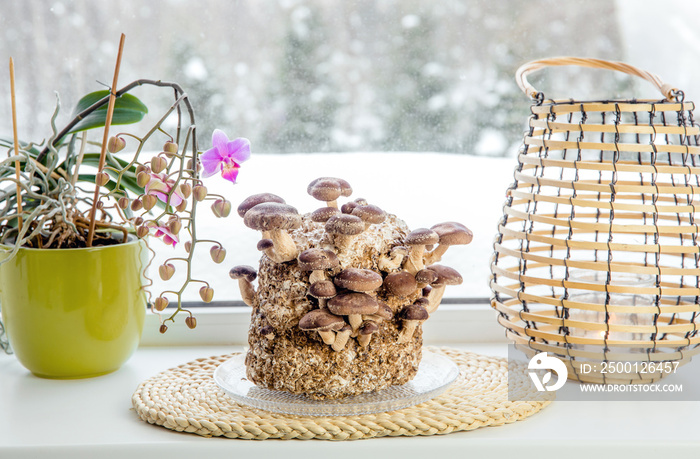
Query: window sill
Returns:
{"type": "Point", "coordinates": [450, 324]}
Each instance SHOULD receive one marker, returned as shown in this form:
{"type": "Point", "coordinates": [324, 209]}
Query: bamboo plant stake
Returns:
{"type": "Point", "coordinates": [105, 138]}
{"type": "Point", "coordinates": [15, 141]}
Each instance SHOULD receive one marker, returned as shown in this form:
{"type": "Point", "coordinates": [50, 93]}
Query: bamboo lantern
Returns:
{"type": "Point", "coordinates": [596, 260]}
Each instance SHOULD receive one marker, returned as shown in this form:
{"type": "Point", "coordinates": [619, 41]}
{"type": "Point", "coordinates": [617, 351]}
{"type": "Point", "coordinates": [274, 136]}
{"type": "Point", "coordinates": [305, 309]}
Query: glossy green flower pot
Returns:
{"type": "Point", "coordinates": [74, 313]}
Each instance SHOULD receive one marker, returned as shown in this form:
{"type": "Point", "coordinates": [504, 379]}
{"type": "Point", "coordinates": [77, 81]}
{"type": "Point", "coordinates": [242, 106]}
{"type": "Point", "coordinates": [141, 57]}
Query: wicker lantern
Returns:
{"type": "Point", "coordinates": [597, 259]}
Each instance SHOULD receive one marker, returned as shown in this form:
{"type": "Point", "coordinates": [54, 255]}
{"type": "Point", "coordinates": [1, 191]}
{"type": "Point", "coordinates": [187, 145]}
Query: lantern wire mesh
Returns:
{"type": "Point", "coordinates": [597, 257]}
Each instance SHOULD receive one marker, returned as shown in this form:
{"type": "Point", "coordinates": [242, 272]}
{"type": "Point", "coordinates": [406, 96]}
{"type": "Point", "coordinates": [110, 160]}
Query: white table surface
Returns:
{"type": "Point", "coordinates": [93, 418]}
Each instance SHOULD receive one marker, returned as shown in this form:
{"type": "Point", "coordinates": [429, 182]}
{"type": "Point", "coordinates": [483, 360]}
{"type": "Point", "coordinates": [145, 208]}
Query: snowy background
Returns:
{"type": "Point", "coordinates": [313, 82]}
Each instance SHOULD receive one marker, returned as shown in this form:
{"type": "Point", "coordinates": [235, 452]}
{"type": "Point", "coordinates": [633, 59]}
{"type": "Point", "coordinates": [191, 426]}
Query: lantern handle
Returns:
{"type": "Point", "coordinates": [670, 92]}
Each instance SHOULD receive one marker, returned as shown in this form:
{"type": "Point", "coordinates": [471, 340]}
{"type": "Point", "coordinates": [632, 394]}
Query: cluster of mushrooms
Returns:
{"type": "Point", "coordinates": [347, 300]}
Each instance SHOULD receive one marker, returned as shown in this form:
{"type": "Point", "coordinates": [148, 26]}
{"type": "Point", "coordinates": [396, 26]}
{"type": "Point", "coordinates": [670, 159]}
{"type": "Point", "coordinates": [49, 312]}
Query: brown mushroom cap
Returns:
{"type": "Point", "coordinates": [370, 213]}
{"type": "Point", "coordinates": [353, 303]}
{"type": "Point", "coordinates": [422, 236]}
{"type": "Point", "coordinates": [252, 201]}
{"type": "Point", "coordinates": [453, 233]}
{"type": "Point", "coordinates": [322, 289]}
{"type": "Point", "coordinates": [343, 187]}
{"type": "Point", "coordinates": [401, 284]}
{"type": "Point", "coordinates": [345, 224]}
{"type": "Point", "coordinates": [348, 207]}
{"type": "Point", "coordinates": [323, 214]}
{"type": "Point", "coordinates": [445, 275]}
{"type": "Point", "coordinates": [272, 216]}
{"type": "Point", "coordinates": [264, 244]}
{"type": "Point", "coordinates": [414, 312]}
{"type": "Point", "coordinates": [315, 258]}
{"type": "Point", "coordinates": [324, 189]}
{"type": "Point", "coordinates": [358, 280]}
{"type": "Point", "coordinates": [367, 328]}
{"type": "Point", "coordinates": [243, 272]}
{"type": "Point", "coordinates": [384, 311]}
{"type": "Point", "coordinates": [320, 320]}
{"type": "Point", "coordinates": [426, 276]}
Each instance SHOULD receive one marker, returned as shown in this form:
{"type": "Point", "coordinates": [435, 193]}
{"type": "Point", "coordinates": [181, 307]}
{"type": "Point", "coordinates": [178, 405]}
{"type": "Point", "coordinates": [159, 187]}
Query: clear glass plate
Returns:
{"type": "Point", "coordinates": [435, 374]}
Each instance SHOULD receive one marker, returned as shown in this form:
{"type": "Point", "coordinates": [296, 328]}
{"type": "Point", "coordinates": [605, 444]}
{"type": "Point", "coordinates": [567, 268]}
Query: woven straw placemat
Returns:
{"type": "Point", "coordinates": [186, 399]}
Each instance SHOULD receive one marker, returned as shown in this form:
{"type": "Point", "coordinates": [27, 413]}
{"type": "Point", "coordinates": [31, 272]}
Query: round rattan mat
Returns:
{"type": "Point", "coordinates": [186, 399]}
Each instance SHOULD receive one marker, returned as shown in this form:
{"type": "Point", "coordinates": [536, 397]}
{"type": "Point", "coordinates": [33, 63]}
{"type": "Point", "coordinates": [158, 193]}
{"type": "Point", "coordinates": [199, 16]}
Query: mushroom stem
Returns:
{"type": "Point", "coordinates": [333, 203]}
{"type": "Point", "coordinates": [415, 259]}
{"type": "Point", "coordinates": [436, 254]}
{"type": "Point", "coordinates": [247, 291]}
{"type": "Point", "coordinates": [355, 322]}
{"type": "Point", "coordinates": [409, 327]}
{"type": "Point", "coordinates": [285, 249]}
{"type": "Point", "coordinates": [317, 275]}
{"type": "Point", "coordinates": [341, 339]}
{"type": "Point", "coordinates": [364, 340]}
{"type": "Point", "coordinates": [435, 297]}
{"type": "Point", "coordinates": [328, 336]}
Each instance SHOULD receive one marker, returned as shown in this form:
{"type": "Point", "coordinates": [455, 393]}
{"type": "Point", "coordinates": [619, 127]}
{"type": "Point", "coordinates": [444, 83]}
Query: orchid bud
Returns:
{"type": "Point", "coordinates": [174, 226]}
{"type": "Point", "coordinates": [200, 192]}
{"type": "Point", "coordinates": [170, 147]}
{"type": "Point", "coordinates": [138, 221]}
{"type": "Point", "coordinates": [158, 164]}
{"type": "Point", "coordinates": [206, 293]}
{"type": "Point", "coordinates": [186, 190]}
{"type": "Point", "coordinates": [163, 328]}
{"type": "Point", "coordinates": [136, 205]}
{"type": "Point", "coordinates": [102, 178]}
{"type": "Point", "coordinates": [115, 144]}
{"type": "Point", "coordinates": [123, 202]}
{"type": "Point", "coordinates": [221, 208]}
{"type": "Point", "coordinates": [149, 201]}
{"type": "Point", "coordinates": [142, 178]}
{"type": "Point", "coordinates": [181, 207]}
{"type": "Point", "coordinates": [160, 303]}
{"type": "Point", "coordinates": [191, 322]}
{"type": "Point", "coordinates": [190, 165]}
{"type": "Point", "coordinates": [142, 231]}
{"type": "Point", "coordinates": [141, 168]}
{"type": "Point", "coordinates": [188, 246]}
{"type": "Point", "coordinates": [217, 253]}
{"type": "Point", "coordinates": [166, 271]}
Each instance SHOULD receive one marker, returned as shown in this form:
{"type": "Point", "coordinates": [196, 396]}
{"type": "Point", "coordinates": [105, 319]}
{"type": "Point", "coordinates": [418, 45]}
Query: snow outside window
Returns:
{"type": "Point", "coordinates": [412, 101]}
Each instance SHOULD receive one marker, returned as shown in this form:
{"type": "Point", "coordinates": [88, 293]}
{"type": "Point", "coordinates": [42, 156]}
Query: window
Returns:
{"type": "Point", "coordinates": [423, 90]}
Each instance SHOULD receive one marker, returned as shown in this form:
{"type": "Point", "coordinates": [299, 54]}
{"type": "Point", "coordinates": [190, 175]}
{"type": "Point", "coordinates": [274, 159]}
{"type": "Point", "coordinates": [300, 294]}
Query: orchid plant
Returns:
{"type": "Point", "coordinates": [46, 194]}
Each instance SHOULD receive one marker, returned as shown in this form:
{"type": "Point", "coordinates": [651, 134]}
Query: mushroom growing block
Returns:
{"type": "Point", "coordinates": [337, 319]}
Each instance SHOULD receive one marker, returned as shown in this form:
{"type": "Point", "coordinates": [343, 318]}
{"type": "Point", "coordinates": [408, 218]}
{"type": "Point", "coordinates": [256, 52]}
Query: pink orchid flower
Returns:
{"type": "Point", "coordinates": [225, 156]}
{"type": "Point", "coordinates": [168, 237]}
{"type": "Point", "coordinates": [160, 185]}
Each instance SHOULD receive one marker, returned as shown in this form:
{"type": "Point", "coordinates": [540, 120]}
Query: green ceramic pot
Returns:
{"type": "Point", "coordinates": [74, 313]}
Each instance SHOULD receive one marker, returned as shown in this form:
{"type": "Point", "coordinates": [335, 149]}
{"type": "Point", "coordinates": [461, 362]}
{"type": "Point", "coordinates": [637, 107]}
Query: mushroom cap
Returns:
{"type": "Point", "coordinates": [346, 224]}
{"type": "Point", "coordinates": [358, 280]}
{"type": "Point", "coordinates": [348, 207]}
{"type": "Point", "coordinates": [445, 275]}
{"type": "Point", "coordinates": [422, 236]}
{"type": "Point", "coordinates": [322, 289]}
{"type": "Point", "coordinates": [353, 303]}
{"type": "Point", "coordinates": [453, 233]}
{"type": "Point", "coordinates": [426, 276]}
{"type": "Point", "coordinates": [384, 311]}
{"type": "Point", "coordinates": [367, 328]}
{"type": "Point", "coordinates": [323, 214]}
{"type": "Point", "coordinates": [252, 201]}
{"type": "Point", "coordinates": [272, 216]}
{"type": "Point", "coordinates": [414, 312]}
{"type": "Point", "coordinates": [401, 284]}
{"type": "Point", "coordinates": [264, 244]}
{"type": "Point", "coordinates": [320, 320]}
{"type": "Point", "coordinates": [324, 189]}
{"type": "Point", "coordinates": [243, 272]}
{"type": "Point", "coordinates": [343, 187]}
{"type": "Point", "coordinates": [315, 259]}
{"type": "Point", "coordinates": [369, 213]}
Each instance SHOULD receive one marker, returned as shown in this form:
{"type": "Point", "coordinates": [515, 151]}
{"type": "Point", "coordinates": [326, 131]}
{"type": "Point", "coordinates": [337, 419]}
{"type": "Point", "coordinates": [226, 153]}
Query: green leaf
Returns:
{"type": "Point", "coordinates": [128, 109]}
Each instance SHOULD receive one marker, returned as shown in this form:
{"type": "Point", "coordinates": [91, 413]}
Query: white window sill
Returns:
{"type": "Point", "coordinates": [450, 324]}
